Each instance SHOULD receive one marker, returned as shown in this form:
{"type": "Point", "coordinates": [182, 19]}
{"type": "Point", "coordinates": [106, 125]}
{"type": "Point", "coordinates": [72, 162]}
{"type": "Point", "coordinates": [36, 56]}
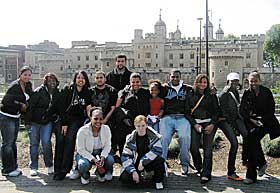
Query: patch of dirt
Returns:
{"type": "Point", "coordinates": [220, 156]}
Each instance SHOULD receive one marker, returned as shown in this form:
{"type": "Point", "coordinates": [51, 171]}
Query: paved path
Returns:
{"type": "Point", "coordinates": [175, 183]}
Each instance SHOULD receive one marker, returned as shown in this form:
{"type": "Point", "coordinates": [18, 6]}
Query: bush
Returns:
{"type": "Point", "coordinates": [271, 147]}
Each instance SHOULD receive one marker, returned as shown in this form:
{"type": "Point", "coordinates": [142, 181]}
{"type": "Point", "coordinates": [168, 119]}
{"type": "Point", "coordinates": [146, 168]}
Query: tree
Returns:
{"type": "Point", "coordinates": [272, 45]}
{"type": "Point", "coordinates": [231, 37]}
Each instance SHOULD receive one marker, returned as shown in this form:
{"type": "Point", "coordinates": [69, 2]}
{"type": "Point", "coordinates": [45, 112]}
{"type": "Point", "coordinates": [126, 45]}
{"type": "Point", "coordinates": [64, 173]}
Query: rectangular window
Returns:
{"type": "Point", "coordinates": [213, 74]}
{"type": "Point", "coordinates": [87, 58]}
{"type": "Point", "coordinates": [79, 58]}
{"type": "Point", "coordinates": [87, 65]}
{"type": "Point", "coordinates": [138, 56]}
{"type": "Point", "coordinates": [156, 56]}
{"type": "Point", "coordinates": [171, 65]}
{"type": "Point", "coordinates": [148, 65]}
{"type": "Point", "coordinates": [181, 56]}
{"type": "Point", "coordinates": [61, 68]}
{"type": "Point", "coordinates": [108, 64]}
{"type": "Point", "coordinates": [95, 57]}
{"type": "Point", "coordinates": [192, 55]}
{"type": "Point", "coordinates": [171, 56]}
{"type": "Point", "coordinates": [226, 63]}
{"type": "Point", "coordinates": [203, 55]}
{"type": "Point", "coordinates": [181, 65]}
{"type": "Point", "coordinates": [148, 55]}
{"type": "Point", "coordinates": [248, 55]}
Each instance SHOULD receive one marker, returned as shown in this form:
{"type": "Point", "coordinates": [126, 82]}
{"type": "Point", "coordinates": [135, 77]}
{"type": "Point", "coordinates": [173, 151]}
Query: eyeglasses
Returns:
{"type": "Point", "coordinates": [175, 76]}
{"type": "Point", "coordinates": [96, 118]}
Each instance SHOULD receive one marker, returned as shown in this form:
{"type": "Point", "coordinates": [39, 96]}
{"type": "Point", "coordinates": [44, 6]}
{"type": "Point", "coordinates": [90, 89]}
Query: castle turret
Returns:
{"type": "Point", "coordinates": [220, 33]}
{"type": "Point", "coordinates": [160, 28]}
{"type": "Point", "coordinates": [210, 30]}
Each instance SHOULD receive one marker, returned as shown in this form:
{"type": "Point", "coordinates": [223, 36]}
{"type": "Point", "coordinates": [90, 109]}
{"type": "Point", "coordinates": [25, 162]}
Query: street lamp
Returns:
{"type": "Point", "coordinates": [206, 39]}
{"type": "Point", "coordinates": [199, 19]}
{"type": "Point", "coordinates": [197, 71]}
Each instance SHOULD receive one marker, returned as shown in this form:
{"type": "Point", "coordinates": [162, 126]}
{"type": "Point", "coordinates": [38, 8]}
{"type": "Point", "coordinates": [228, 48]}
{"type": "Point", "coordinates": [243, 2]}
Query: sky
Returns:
{"type": "Point", "coordinates": [25, 22]}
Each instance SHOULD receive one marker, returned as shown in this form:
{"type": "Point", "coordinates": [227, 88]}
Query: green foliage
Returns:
{"type": "Point", "coordinates": [271, 147]}
{"type": "Point", "coordinates": [23, 137]}
{"type": "Point", "coordinates": [272, 45]}
{"type": "Point", "coordinates": [231, 37]}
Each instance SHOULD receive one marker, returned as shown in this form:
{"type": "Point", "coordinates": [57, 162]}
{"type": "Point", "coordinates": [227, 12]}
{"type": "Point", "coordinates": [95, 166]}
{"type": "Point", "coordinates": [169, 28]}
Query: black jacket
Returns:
{"type": "Point", "coordinates": [136, 103]}
{"type": "Point", "coordinates": [14, 96]}
{"type": "Point", "coordinates": [118, 81]}
{"type": "Point", "coordinates": [73, 104]}
{"type": "Point", "coordinates": [263, 105]}
{"type": "Point", "coordinates": [177, 103]}
{"type": "Point", "coordinates": [229, 108]}
{"type": "Point", "coordinates": [40, 105]}
{"type": "Point", "coordinates": [208, 107]}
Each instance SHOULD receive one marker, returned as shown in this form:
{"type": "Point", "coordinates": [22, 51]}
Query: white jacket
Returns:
{"type": "Point", "coordinates": [85, 141]}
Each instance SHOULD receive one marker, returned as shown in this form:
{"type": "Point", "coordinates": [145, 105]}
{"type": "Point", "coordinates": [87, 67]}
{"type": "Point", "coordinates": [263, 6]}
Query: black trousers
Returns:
{"type": "Point", "coordinates": [255, 152]}
{"type": "Point", "coordinates": [65, 146]}
{"type": "Point", "coordinates": [157, 165]}
{"type": "Point", "coordinates": [121, 132]}
{"type": "Point", "coordinates": [228, 130]}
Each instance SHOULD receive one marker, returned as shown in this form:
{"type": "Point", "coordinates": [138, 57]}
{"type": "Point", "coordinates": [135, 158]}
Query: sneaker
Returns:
{"type": "Point", "coordinates": [33, 172]}
{"type": "Point", "coordinates": [100, 179]}
{"type": "Point", "coordinates": [74, 175]}
{"type": "Point", "coordinates": [184, 170]}
{"type": "Point", "coordinates": [108, 177]}
{"type": "Point", "coordinates": [15, 173]}
{"type": "Point", "coordinates": [261, 170]}
{"type": "Point", "coordinates": [159, 186]}
{"type": "Point", "coordinates": [235, 177]}
{"type": "Point", "coordinates": [248, 181]}
{"type": "Point", "coordinates": [84, 181]}
{"type": "Point", "coordinates": [50, 170]}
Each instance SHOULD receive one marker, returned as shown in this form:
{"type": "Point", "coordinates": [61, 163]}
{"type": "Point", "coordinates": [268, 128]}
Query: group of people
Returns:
{"type": "Point", "coordinates": [117, 120]}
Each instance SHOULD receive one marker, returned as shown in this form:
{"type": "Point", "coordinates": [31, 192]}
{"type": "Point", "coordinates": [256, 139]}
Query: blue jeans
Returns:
{"type": "Point", "coordinates": [84, 165]}
{"type": "Point", "coordinates": [9, 131]}
{"type": "Point", "coordinates": [170, 124]}
{"type": "Point", "coordinates": [36, 133]}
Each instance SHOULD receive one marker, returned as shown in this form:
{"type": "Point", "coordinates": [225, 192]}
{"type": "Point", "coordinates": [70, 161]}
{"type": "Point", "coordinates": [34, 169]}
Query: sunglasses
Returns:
{"type": "Point", "coordinates": [96, 118]}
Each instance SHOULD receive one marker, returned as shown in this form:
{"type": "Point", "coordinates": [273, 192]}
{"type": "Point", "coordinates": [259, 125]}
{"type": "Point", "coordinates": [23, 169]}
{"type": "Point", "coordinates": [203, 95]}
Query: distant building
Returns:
{"type": "Point", "coordinates": [152, 55]}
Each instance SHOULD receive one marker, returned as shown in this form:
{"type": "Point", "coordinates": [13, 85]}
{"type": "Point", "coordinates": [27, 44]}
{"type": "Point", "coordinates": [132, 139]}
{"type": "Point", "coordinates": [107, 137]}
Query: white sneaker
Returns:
{"type": "Point", "coordinates": [108, 177]}
{"type": "Point", "coordinates": [159, 186]}
{"type": "Point", "coordinates": [15, 173]}
{"type": "Point", "coordinates": [100, 179]}
{"type": "Point", "coordinates": [33, 172]}
{"type": "Point", "coordinates": [50, 170]}
{"type": "Point", "coordinates": [84, 181]}
{"type": "Point", "coordinates": [74, 175]}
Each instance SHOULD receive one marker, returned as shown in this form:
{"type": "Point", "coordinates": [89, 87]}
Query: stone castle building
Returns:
{"type": "Point", "coordinates": [153, 55]}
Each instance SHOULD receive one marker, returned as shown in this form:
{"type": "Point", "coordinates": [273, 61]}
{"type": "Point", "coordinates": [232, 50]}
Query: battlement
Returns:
{"type": "Point", "coordinates": [83, 43]}
{"type": "Point", "coordinates": [252, 36]}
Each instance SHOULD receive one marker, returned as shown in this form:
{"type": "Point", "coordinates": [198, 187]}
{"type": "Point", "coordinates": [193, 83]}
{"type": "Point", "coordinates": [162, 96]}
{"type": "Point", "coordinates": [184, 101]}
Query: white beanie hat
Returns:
{"type": "Point", "coordinates": [233, 76]}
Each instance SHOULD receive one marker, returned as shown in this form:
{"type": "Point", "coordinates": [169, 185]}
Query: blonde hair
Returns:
{"type": "Point", "coordinates": [140, 118]}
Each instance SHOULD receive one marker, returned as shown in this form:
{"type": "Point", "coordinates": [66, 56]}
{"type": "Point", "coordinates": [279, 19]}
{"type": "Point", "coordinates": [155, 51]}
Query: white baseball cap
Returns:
{"type": "Point", "coordinates": [233, 76]}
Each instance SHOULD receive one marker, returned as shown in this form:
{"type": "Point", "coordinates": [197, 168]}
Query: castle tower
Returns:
{"type": "Point", "coordinates": [210, 31]}
{"type": "Point", "coordinates": [177, 33]}
{"type": "Point", "coordinates": [220, 33]}
{"type": "Point", "coordinates": [160, 28]}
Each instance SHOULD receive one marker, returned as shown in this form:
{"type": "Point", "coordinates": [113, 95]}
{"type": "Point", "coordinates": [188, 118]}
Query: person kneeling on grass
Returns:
{"type": "Point", "coordinates": [142, 151]}
{"type": "Point", "coordinates": [93, 142]}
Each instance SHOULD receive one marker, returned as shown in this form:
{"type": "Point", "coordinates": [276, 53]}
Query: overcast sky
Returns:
{"type": "Point", "coordinates": [32, 21]}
